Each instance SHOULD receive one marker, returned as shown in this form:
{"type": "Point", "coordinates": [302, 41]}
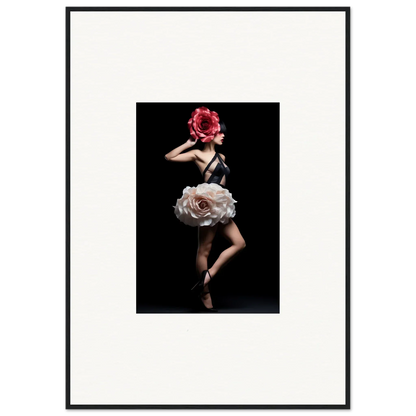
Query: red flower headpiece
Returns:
{"type": "Point", "coordinates": [204, 124]}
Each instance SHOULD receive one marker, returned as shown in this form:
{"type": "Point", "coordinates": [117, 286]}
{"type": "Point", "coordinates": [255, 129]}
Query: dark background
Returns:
{"type": "Point", "coordinates": [166, 248]}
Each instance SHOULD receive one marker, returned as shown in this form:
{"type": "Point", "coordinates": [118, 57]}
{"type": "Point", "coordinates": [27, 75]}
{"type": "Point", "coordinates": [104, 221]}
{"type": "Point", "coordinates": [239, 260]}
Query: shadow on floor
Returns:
{"type": "Point", "coordinates": [224, 303]}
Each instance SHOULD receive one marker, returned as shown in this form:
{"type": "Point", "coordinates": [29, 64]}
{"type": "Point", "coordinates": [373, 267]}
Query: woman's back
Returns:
{"type": "Point", "coordinates": [216, 171]}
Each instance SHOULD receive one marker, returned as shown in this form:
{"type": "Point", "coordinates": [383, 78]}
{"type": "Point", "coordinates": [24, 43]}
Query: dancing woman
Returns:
{"type": "Point", "coordinates": [208, 206]}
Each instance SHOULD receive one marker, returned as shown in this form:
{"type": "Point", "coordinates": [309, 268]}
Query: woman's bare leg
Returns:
{"type": "Point", "coordinates": [206, 235]}
{"type": "Point", "coordinates": [231, 232]}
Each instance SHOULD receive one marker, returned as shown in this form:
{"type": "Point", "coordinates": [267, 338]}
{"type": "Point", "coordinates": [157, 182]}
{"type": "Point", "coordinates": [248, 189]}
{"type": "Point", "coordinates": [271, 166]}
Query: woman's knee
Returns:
{"type": "Point", "coordinates": [241, 244]}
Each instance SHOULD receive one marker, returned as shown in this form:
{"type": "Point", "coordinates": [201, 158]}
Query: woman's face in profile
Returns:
{"type": "Point", "coordinates": [219, 138]}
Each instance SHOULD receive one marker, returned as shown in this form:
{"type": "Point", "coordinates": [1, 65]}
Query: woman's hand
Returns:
{"type": "Point", "coordinates": [191, 142]}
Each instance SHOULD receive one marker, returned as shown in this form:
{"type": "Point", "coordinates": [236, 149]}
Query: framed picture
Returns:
{"type": "Point", "coordinates": [208, 207]}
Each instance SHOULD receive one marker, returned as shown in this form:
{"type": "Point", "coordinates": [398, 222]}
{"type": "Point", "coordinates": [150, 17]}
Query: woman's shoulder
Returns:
{"type": "Point", "coordinates": [197, 153]}
{"type": "Point", "coordinates": [222, 156]}
{"type": "Point", "coordinates": [203, 155]}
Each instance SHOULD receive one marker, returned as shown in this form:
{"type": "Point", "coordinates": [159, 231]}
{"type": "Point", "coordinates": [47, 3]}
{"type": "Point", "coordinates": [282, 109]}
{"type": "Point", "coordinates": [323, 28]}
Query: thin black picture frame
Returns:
{"type": "Point", "coordinates": [350, 151]}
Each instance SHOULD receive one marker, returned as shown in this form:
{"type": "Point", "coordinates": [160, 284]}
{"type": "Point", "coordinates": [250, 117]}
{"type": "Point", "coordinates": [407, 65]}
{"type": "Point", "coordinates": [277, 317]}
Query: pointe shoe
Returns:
{"type": "Point", "coordinates": [199, 285]}
{"type": "Point", "coordinates": [203, 307]}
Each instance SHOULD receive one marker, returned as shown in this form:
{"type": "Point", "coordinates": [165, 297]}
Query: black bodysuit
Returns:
{"type": "Point", "coordinates": [216, 171]}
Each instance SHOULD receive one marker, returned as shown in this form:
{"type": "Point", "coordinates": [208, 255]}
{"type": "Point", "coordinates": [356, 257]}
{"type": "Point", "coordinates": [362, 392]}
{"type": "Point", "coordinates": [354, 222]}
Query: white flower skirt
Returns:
{"type": "Point", "coordinates": [205, 205]}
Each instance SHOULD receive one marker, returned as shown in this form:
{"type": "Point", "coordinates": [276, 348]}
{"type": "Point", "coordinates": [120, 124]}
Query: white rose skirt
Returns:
{"type": "Point", "coordinates": [205, 205]}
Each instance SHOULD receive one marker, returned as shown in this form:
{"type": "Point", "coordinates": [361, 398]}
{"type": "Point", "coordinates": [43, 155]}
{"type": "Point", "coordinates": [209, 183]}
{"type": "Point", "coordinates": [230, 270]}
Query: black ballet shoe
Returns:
{"type": "Point", "coordinates": [199, 285]}
{"type": "Point", "coordinates": [203, 308]}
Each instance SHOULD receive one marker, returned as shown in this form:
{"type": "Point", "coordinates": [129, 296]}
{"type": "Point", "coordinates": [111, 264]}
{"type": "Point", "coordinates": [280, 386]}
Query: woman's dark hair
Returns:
{"type": "Point", "coordinates": [223, 128]}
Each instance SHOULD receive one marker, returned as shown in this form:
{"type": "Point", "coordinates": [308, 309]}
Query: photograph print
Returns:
{"type": "Point", "coordinates": [207, 207]}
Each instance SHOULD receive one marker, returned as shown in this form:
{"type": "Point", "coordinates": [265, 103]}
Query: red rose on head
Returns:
{"type": "Point", "coordinates": [204, 124]}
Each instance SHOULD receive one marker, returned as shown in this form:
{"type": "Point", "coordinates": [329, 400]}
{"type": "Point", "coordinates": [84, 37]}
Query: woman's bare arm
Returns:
{"type": "Point", "coordinates": [175, 155]}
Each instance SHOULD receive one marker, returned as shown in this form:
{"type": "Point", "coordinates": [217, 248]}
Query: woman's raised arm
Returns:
{"type": "Point", "coordinates": [175, 155]}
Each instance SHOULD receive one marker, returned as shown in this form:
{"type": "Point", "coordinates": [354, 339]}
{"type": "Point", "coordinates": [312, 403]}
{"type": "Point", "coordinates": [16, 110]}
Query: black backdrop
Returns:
{"type": "Point", "coordinates": [166, 248]}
